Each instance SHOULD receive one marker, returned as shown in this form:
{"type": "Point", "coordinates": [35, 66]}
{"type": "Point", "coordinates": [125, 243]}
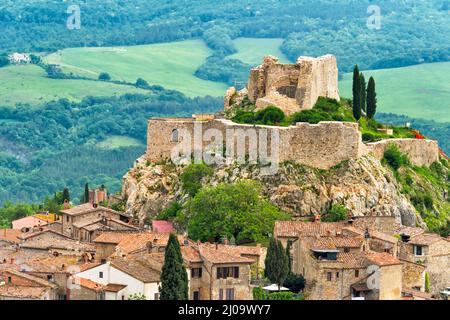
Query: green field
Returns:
{"type": "Point", "coordinates": [171, 65]}
{"type": "Point", "coordinates": [252, 50]}
{"type": "Point", "coordinates": [421, 91]}
{"type": "Point", "coordinates": [29, 84]}
{"type": "Point", "coordinates": [115, 142]}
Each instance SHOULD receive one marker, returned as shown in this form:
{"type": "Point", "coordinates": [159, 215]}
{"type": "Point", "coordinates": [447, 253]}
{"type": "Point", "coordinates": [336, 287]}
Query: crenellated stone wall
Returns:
{"type": "Point", "coordinates": [293, 87]}
{"type": "Point", "coordinates": [420, 152]}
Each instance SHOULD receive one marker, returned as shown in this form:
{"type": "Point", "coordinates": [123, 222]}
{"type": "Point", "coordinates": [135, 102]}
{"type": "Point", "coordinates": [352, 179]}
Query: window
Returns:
{"type": "Point", "coordinates": [196, 295]}
{"type": "Point", "coordinates": [230, 294]}
{"type": "Point", "coordinates": [418, 250]}
{"type": "Point", "coordinates": [156, 296]}
{"type": "Point", "coordinates": [347, 250]}
{"type": "Point", "coordinates": [123, 297]}
{"type": "Point", "coordinates": [227, 272]}
{"type": "Point", "coordinates": [9, 280]}
{"type": "Point", "coordinates": [100, 275]}
{"type": "Point", "coordinates": [337, 275]}
{"type": "Point", "coordinates": [175, 135]}
{"type": "Point", "coordinates": [49, 277]}
{"type": "Point", "coordinates": [196, 272]}
{"type": "Point", "coordinates": [220, 294]}
{"type": "Point", "coordinates": [356, 273]}
{"type": "Point", "coordinates": [329, 276]}
{"type": "Point", "coordinates": [67, 219]}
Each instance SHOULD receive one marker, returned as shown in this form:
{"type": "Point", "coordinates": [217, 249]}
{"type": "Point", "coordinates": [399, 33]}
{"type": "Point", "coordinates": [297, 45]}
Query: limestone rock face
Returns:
{"type": "Point", "coordinates": [362, 185]}
{"type": "Point", "coordinates": [293, 87]}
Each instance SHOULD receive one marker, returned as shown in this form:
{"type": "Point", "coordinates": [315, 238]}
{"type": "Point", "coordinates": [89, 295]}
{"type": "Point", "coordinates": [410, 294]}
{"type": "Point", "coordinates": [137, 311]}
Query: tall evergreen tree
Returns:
{"type": "Point", "coordinates": [356, 93]}
{"type": "Point", "coordinates": [86, 193]}
{"type": "Point", "coordinates": [174, 278]}
{"type": "Point", "coordinates": [276, 263]}
{"type": "Point", "coordinates": [363, 91]}
{"type": "Point", "coordinates": [371, 99]}
{"type": "Point", "coordinates": [66, 195]}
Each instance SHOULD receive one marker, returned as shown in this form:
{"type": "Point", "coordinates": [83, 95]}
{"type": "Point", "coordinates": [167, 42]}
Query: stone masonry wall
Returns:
{"type": "Point", "coordinates": [420, 152]}
{"type": "Point", "coordinates": [293, 87]}
{"type": "Point", "coordinates": [322, 145]}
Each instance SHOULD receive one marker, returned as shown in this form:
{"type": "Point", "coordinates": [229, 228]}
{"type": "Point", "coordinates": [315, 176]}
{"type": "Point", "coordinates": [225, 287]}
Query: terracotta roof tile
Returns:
{"type": "Point", "coordinates": [137, 268]}
{"type": "Point", "coordinates": [113, 287]}
{"type": "Point", "coordinates": [335, 242]}
{"type": "Point", "coordinates": [222, 254]}
{"type": "Point", "coordinates": [87, 208]}
{"type": "Point", "coordinates": [39, 281]}
{"type": "Point", "coordinates": [111, 237]}
{"type": "Point", "coordinates": [23, 292]}
{"type": "Point", "coordinates": [381, 258]}
{"type": "Point", "coordinates": [10, 235]}
{"type": "Point", "coordinates": [162, 226]}
{"type": "Point", "coordinates": [410, 231]}
{"type": "Point", "coordinates": [426, 239]}
{"type": "Point", "coordinates": [89, 284]}
{"type": "Point", "coordinates": [307, 229]}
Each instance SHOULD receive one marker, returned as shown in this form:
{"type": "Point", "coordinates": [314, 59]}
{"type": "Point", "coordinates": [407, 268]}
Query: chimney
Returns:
{"type": "Point", "coordinates": [226, 242]}
{"type": "Point", "coordinates": [405, 238]}
{"type": "Point", "coordinates": [12, 261]}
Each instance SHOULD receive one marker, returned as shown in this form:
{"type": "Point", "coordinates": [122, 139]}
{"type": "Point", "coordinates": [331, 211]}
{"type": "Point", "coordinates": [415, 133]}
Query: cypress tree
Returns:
{"type": "Point", "coordinates": [174, 278]}
{"type": "Point", "coordinates": [363, 92]}
{"type": "Point", "coordinates": [66, 195]}
{"type": "Point", "coordinates": [371, 99]}
{"type": "Point", "coordinates": [356, 93]}
{"type": "Point", "coordinates": [276, 262]}
{"type": "Point", "coordinates": [86, 193]}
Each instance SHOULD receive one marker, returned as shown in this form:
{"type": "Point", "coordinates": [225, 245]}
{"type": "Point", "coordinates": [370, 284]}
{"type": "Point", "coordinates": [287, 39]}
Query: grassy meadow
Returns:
{"type": "Point", "coordinates": [421, 91]}
{"type": "Point", "coordinates": [28, 84]}
{"type": "Point", "coordinates": [171, 65]}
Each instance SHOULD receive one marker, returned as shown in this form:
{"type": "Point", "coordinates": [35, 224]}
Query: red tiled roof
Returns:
{"type": "Point", "coordinates": [351, 260]}
{"type": "Point", "coordinates": [382, 258]}
{"type": "Point", "coordinates": [335, 242]}
{"type": "Point", "coordinates": [426, 239]}
{"type": "Point", "coordinates": [306, 229]}
{"type": "Point", "coordinates": [89, 284]}
{"type": "Point", "coordinates": [410, 231]}
{"type": "Point", "coordinates": [113, 287]}
{"type": "Point", "coordinates": [222, 254]}
{"type": "Point", "coordinates": [87, 208]}
{"type": "Point", "coordinates": [137, 268]}
{"type": "Point", "coordinates": [23, 292]}
{"type": "Point", "coordinates": [10, 235]}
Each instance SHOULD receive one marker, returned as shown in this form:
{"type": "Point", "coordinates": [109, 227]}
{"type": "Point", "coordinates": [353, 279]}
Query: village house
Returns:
{"type": "Point", "coordinates": [429, 250]}
{"type": "Point", "coordinates": [16, 285]}
{"type": "Point", "coordinates": [9, 237]}
{"type": "Point", "coordinates": [19, 58]}
{"type": "Point", "coordinates": [340, 261]}
{"type": "Point", "coordinates": [85, 222]}
{"type": "Point", "coordinates": [37, 220]}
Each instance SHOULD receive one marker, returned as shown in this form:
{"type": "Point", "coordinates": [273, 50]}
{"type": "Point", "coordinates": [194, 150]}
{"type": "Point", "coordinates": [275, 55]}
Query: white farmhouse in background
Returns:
{"type": "Point", "coordinates": [19, 58]}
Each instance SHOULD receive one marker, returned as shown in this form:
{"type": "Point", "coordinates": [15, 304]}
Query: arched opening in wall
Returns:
{"type": "Point", "coordinates": [175, 135]}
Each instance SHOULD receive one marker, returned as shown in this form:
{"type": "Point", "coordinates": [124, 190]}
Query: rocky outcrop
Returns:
{"type": "Point", "coordinates": [362, 185]}
{"type": "Point", "coordinates": [293, 87]}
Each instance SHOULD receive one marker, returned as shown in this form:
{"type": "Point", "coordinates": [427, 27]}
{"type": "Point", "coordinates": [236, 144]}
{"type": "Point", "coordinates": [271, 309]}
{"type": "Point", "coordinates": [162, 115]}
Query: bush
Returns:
{"type": "Point", "coordinates": [336, 213]}
{"type": "Point", "coordinates": [294, 283]}
{"type": "Point", "coordinates": [285, 295]}
{"type": "Point", "coordinates": [259, 294]}
{"type": "Point", "coordinates": [104, 76]}
{"type": "Point", "coordinates": [311, 116]}
{"type": "Point", "coordinates": [428, 202]}
{"type": "Point", "coordinates": [394, 158]}
{"type": "Point", "coordinates": [327, 105]}
{"type": "Point", "coordinates": [141, 83]}
{"type": "Point", "coordinates": [270, 115]}
{"type": "Point", "coordinates": [192, 177]}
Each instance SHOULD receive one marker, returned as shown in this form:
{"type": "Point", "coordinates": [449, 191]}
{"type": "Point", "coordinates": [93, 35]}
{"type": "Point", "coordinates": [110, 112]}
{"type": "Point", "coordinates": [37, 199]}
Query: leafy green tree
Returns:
{"type": "Point", "coordinates": [294, 283]}
{"type": "Point", "coordinates": [174, 278]}
{"type": "Point", "coordinates": [356, 93]}
{"type": "Point", "coordinates": [193, 175]}
{"type": "Point", "coordinates": [336, 213]}
{"type": "Point", "coordinates": [170, 212]}
{"type": "Point", "coordinates": [363, 91]}
{"type": "Point", "coordinates": [276, 263]}
{"type": "Point", "coordinates": [104, 76]}
{"type": "Point", "coordinates": [394, 157]}
{"type": "Point", "coordinates": [232, 210]}
{"type": "Point", "coordinates": [141, 83]}
{"type": "Point", "coordinates": [4, 61]}
{"type": "Point", "coordinates": [371, 99]}
{"type": "Point", "coordinates": [270, 115]}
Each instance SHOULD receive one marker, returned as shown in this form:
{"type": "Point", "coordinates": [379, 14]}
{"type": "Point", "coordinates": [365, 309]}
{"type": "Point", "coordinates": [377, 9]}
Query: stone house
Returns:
{"type": "Point", "coordinates": [9, 237]}
{"type": "Point", "coordinates": [16, 285]}
{"type": "Point", "coordinates": [83, 222]}
{"type": "Point", "coordinates": [431, 251]}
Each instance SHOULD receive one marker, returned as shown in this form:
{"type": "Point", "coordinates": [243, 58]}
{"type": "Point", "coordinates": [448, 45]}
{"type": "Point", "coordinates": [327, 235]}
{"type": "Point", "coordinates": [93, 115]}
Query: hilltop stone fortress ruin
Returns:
{"type": "Point", "coordinates": [292, 88]}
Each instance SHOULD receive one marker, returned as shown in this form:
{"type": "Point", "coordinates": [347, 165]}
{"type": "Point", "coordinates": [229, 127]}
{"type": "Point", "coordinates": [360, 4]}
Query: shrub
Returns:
{"type": "Point", "coordinates": [192, 177]}
{"type": "Point", "coordinates": [244, 117]}
{"type": "Point", "coordinates": [394, 158]}
{"type": "Point", "coordinates": [427, 282]}
{"type": "Point", "coordinates": [327, 104]}
{"type": "Point", "coordinates": [141, 83]}
{"type": "Point", "coordinates": [270, 115]}
{"type": "Point", "coordinates": [285, 295]}
{"type": "Point", "coordinates": [294, 283]}
{"type": "Point", "coordinates": [428, 201]}
{"type": "Point", "coordinates": [311, 116]}
{"type": "Point", "coordinates": [259, 294]}
{"type": "Point", "coordinates": [336, 213]}
{"type": "Point", "coordinates": [104, 76]}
